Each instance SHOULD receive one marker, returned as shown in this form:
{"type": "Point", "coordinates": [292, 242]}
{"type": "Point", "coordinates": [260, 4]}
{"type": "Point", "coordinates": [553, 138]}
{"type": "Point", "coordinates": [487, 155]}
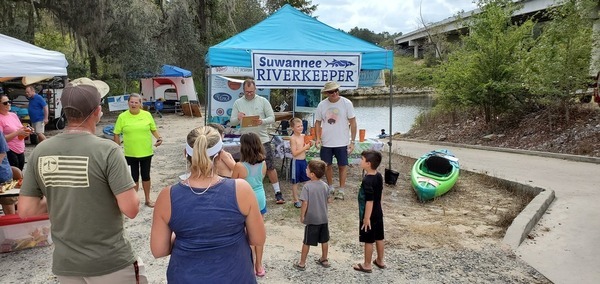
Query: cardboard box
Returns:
{"type": "Point", "coordinates": [17, 234]}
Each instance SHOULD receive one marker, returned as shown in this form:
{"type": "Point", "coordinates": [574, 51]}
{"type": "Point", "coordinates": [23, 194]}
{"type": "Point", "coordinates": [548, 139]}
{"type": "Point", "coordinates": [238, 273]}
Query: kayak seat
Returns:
{"type": "Point", "coordinates": [438, 165]}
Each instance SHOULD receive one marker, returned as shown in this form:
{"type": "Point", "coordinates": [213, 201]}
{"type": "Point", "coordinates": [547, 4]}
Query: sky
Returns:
{"type": "Point", "coordinates": [391, 16]}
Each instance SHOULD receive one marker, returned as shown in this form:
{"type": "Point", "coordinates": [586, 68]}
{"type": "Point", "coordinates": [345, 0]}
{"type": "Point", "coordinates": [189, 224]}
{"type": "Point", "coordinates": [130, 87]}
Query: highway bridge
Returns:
{"type": "Point", "coordinates": [455, 26]}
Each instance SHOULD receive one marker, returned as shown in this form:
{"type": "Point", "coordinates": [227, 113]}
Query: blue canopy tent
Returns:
{"type": "Point", "coordinates": [291, 30]}
{"type": "Point", "coordinates": [174, 71]}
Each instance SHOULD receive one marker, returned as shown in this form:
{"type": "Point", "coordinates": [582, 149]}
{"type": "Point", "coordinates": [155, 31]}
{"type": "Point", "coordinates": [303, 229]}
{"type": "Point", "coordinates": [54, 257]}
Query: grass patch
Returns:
{"type": "Point", "coordinates": [410, 72]}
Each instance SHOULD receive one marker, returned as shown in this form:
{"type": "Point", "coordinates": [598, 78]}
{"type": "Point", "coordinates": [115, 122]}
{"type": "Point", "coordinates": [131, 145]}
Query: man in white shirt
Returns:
{"type": "Point", "coordinates": [332, 118]}
{"type": "Point", "coordinates": [249, 105]}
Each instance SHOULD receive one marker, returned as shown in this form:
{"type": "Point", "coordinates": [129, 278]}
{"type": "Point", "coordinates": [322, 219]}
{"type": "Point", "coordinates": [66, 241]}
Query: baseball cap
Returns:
{"type": "Point", "coordinates": [83, 95]}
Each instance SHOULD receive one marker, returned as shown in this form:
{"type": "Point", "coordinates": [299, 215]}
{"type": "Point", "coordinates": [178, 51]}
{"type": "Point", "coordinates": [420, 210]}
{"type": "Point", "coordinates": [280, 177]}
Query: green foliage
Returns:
{"type": "Point", "coordinates": [383, 39]}
{"type": "Point", "coordinates": [557, 66]}
{"type": "Point", "coordinates": [483, 71]}
{"type": "Point", "coordinates": [412, 73]}
{"type": "Point", "coordinates": [306, 6]}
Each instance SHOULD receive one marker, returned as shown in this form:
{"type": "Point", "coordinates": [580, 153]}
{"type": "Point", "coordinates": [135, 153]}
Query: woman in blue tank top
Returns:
{"type": "Point", "coordinates": [252, 168]}
{"type": "Point", "coordinates": [207, 223]}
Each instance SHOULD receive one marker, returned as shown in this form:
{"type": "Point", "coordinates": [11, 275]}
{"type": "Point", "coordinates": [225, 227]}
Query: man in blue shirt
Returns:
{"type": "Point", "coordinates": [38, 112]}
{"type": "Point", "coordinates": [6, 175]}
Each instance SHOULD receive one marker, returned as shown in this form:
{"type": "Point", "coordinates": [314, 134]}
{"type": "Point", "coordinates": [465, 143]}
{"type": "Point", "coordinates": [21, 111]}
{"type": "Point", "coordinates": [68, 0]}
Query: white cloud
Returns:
{"type": "Point", "coordinates": [386, 15]}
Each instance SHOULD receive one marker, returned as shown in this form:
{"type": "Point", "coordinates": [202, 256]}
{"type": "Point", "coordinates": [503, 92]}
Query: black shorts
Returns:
{"type": "Point", "coordinates": [314, 234]}
{"type": "Point", "coordinates": [370, 236]}
{"type": "Point", "coordinates": [340, 153]}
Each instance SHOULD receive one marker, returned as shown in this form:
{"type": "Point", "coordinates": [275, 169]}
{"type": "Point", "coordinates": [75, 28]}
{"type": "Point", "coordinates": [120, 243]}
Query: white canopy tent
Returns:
{"type": "Point", "coordinates": [34, 64]}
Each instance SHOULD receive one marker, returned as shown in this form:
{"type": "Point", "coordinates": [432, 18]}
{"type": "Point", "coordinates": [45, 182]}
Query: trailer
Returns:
{"type": "Point", "coordinates": [50, 90]}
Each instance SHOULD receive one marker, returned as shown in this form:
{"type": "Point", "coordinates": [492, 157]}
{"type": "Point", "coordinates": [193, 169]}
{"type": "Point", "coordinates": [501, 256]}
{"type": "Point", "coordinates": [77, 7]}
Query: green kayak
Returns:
{"type": "Point", "coordinates": [434, 174]}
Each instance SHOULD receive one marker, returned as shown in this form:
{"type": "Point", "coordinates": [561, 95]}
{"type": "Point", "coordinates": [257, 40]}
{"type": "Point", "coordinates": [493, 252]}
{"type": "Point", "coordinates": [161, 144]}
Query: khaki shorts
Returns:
{"type": "Point", "coordinates": [135, 273]}
{"type": "Point", "coordinates": [38, 127]}
{"type": "Point", "coordinates": [8, 200]}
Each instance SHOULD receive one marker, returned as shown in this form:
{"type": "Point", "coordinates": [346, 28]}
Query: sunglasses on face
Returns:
{"type": "Point", "coordinates": [6, 103]}
{"type": "Point", "coordinates": [331, 92]}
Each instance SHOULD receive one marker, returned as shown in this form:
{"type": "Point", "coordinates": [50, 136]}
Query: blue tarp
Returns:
{"type": "Point", "coordinates": [291, 30]}
{"type": "Point", "coordinates": [174, 71]}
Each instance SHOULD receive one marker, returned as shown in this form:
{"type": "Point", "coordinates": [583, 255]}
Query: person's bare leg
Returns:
{"type": "Point", "coordinates": [379, 245]}
{"type": "Point", "coordinates": [304, 255]}
{"type": "Point", "coordinates": [41, 137]}
{"type": "Point", "coordinates": [272, 174]}
{"type": "Point", "coordinates": [343, 173]}
{"type": "Point", "coordinates": [368, 256]}
{"type": "Point", "coordinates": [137, 186]}
{"type": "Point", "coordinates": [329, 174]}
{"type": "Point", "coordinates": [8, 209]}
{"type": "Point", "coordinates": [295, 192]}
{"type": "Point", "coordinates": [147, 185]}
{"type": "Point", "coordinates": [258, 266]}
{"type": "Point", "coordinates": [324, 251]}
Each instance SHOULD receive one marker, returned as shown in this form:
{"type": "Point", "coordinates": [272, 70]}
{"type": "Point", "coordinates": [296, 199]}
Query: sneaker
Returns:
{"type": "Point", "coordinates": [279, 198]}
{"type": "Point", "coordinates": [298, 204]}
{"type": "Point", "coordinates": [339, 194]}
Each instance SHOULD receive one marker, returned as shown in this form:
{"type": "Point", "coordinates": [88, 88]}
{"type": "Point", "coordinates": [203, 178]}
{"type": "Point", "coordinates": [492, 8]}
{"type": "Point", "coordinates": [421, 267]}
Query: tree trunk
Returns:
{"type": "Point", "coordinates": [202, 20]}
{"type": "Point", "coordinates": [93, 66]}
{"type": "Point", "coordinates": [31, 24]}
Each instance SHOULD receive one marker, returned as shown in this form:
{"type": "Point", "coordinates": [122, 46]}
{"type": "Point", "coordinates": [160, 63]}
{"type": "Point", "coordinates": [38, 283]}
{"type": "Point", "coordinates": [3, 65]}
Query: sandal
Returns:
{"type": "Point", "coordinates": [359, 267]}
{"type": "Point", "coordinates": [324, 263]}
{"type": "Point", "coordinates": [379, 265]}
{"type": "Point", "coordinates": [301, 268]}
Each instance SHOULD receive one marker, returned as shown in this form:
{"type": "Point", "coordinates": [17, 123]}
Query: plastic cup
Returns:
{"type": "Point", "coordinates": [361, 135]}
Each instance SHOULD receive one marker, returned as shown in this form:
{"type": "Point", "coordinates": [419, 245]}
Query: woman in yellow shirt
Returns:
{"type": "Point", "coordinates": [138, 127]}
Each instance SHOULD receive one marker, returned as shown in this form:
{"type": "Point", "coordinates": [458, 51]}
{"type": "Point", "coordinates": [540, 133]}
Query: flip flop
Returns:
{"type": "Point", "coordinates": [301, 268]}
{"type": "Point", "coordinates": [324, 262]}
{"type": "Point", "coordinates": [359, 267]}
{"type": "Point", "coordinates": [378, 265]}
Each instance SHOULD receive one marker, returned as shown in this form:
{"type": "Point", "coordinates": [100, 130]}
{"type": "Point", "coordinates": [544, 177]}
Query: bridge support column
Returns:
{"type": "Point", "coordinates": [416, 50]}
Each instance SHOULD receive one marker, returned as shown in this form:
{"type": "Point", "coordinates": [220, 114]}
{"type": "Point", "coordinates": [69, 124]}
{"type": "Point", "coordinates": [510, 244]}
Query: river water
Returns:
{"type": "Point", "coordinates": [374, 114]}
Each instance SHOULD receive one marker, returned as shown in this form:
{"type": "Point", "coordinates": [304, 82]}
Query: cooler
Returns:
{"type": "Point", "coordinates": [17, 234]}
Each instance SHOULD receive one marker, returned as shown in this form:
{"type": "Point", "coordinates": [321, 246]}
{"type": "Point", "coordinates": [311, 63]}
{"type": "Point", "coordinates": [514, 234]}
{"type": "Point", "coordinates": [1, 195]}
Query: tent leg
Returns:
{"type": "Point", "coordinates": [391, 132]}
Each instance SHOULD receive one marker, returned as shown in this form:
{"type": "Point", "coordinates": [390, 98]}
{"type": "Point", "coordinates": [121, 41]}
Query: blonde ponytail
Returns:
{"type": "Point", "coordinates": [200, 139]}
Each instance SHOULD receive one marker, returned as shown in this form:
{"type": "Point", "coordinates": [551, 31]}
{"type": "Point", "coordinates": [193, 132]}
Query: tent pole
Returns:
{"type": "Point", "coordinates": [391, 132]}
{"type": "Point", "coordinates": [207, 77]}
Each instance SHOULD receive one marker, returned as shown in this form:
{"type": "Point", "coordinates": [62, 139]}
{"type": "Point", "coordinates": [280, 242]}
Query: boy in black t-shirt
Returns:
{"type": "Point", "coordinates": [370, 212]}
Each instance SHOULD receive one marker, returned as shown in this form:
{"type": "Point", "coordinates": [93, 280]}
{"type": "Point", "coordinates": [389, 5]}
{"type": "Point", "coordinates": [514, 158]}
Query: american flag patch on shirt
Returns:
{"type": "Point", "coordinates": [64, 171]}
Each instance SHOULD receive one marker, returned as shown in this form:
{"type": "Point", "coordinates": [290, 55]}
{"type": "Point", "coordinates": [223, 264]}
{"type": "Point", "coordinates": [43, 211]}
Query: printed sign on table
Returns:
{"type": "Point", "coordinates": [117, 102]}
{"type": "Point", "coordinates": [307, 70]}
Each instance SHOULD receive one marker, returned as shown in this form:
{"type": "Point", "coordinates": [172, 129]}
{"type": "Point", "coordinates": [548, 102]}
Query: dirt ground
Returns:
{"type": "Point", "coordinates": [470, 219]}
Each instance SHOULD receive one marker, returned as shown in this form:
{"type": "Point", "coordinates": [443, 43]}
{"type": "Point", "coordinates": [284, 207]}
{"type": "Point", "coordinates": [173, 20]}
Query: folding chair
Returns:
{"type": "Point", "coordinates": [179, 105]}
{"type": "Point", "coordinates": [158, 106]}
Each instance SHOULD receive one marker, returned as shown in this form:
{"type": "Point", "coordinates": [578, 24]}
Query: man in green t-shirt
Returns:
{"type": "Point", "coordinates": [83, 183]}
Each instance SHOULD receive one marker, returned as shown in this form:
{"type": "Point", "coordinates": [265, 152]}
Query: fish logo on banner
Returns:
{"type": "Point", "coordinates": [339, 63]}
